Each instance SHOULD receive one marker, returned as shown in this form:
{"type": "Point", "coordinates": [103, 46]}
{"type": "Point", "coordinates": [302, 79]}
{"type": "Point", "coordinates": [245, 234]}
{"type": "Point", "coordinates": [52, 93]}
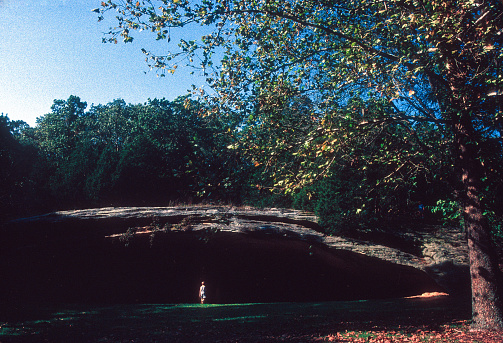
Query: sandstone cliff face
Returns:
{"type": "Point", "coordinates": [244, 255]}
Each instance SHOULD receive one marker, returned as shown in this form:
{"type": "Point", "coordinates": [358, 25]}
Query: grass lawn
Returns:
{"type": "Point", "coordinates": [393, 320]}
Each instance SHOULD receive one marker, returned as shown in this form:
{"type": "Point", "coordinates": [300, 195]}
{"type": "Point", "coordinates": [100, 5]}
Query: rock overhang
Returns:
{"type": "Point", "coordinates": [161, 254]}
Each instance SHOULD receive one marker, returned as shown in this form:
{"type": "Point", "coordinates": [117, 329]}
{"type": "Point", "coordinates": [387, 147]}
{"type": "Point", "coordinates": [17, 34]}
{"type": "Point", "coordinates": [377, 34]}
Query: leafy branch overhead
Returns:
{"type": "Point", "coordinates": [402, 51]}
{"type": "Point", "coordinates": [427, 59]}
{"type": "Point", "coordinates": [363, 40]}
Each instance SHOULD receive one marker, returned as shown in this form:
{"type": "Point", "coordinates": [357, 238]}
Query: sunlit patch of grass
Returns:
{"type": "Point", "coordinates": [6, 330]}
{"type": "Point", "coordinates": [245, 318]}
{"type": "Point", "coordinates": [19, 329]}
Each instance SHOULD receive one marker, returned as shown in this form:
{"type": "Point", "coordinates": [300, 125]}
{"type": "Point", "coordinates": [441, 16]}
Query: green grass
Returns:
{"type": "Point", "coordinates": [213, 322]}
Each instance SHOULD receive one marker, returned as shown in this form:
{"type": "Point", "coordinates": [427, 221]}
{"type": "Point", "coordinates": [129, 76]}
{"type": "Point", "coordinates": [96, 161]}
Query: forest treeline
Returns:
{"type": "Point", "coordinates": [116, 154]}
{"type": "Point", "coordinates": [176, 152]}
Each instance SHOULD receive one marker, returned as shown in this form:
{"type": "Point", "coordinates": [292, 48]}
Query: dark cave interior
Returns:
{"type": "Point", "coordinates": [82, 263]}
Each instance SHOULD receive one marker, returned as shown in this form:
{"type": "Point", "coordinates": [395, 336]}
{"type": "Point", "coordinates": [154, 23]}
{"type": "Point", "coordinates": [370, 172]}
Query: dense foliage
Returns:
{"type": "Point", "coordinates": [164, 152]}
{"type": "Point", "coordinates": [117, 154]}
{"type": "Point", "coordinates": [16, 158]}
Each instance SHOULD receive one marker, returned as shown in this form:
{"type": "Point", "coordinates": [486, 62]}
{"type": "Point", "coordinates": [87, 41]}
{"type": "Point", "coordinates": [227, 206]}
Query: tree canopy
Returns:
{"type": "Point", "coordinates": [327, 52]}
{"type": "Point", "coordinates": [117, 154]}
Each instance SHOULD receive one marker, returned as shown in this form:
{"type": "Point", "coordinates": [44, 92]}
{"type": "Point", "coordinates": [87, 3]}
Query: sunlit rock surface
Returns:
{"type": "Point", "coordinates": [162, 254]}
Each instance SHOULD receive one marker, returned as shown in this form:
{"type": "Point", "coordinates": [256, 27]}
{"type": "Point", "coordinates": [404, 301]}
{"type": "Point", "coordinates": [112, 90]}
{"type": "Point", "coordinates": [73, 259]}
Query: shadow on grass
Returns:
{"type": "Point", "coordinates": [293, 322]}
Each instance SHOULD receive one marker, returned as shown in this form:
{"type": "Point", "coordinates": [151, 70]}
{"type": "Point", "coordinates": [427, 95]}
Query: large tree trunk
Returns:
{"type": "Point", "coordinates": [487, 313]}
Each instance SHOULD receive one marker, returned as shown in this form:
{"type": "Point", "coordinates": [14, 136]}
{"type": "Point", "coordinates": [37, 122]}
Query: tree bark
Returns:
{"type": "Point", "coordinates": [487, 313]}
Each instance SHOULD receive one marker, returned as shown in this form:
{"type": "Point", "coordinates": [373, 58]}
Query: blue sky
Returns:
{"type": "Point", "coordinates": [52, 49]}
